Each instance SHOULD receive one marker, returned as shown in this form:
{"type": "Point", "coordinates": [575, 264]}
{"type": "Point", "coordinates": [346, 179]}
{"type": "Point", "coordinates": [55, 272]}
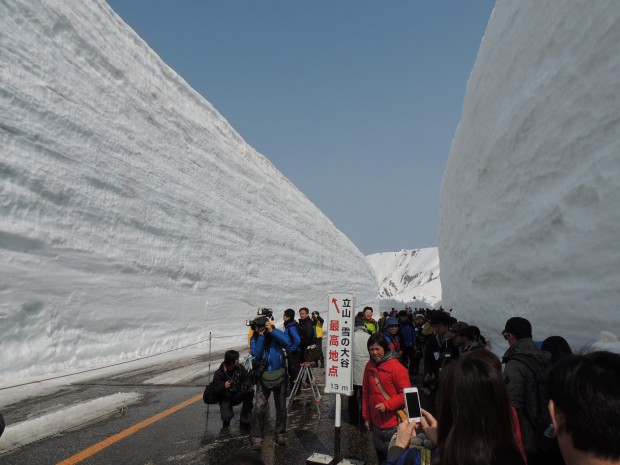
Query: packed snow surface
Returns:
{"type": "Point", "coordinates": [530, 199]}
{"type": "Point", "coordinates": [133, 218]}
{"type": "Point", "coordinates": [408, 276]}
{"type": "Point", "coordinates": [63, 418]}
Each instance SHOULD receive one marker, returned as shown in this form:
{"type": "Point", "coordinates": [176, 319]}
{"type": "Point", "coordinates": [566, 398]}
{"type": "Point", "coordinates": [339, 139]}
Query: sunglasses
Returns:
{"type": "Point", "coordinates": [505, 334]}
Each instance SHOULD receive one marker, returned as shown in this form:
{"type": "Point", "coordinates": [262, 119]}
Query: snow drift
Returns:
{"type": "Point", "coordinates": [135, 220]}
{"type": "Point", "coordinates": [530, 199]}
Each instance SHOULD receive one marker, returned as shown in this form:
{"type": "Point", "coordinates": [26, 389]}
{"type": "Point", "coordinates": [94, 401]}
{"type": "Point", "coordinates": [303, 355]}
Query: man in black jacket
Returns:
{"type": "Point", "coordinates": [232, 385]}
{"type": "Point", "coordinates": [521, 381]}
{"type": "Point", "coordinates": [306, 330]}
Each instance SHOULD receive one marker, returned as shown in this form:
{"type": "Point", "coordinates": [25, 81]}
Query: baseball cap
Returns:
{"type": "Point", "coordinates": [455, 329]}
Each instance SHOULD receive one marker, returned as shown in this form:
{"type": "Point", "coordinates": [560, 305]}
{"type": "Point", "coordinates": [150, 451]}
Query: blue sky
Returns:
{"type": "Point", "coordinates": [355, 101]}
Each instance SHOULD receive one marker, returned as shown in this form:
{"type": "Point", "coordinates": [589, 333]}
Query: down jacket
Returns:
{"type": "Point", "coordinates": [394, 378]}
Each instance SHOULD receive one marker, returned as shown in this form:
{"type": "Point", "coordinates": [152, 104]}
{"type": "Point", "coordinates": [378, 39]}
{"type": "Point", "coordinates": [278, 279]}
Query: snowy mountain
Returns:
{"type": "Point", "coordinates": [409, 276]}
{"type": "Point", "coordinates": [134, 219]}
{"type": "Point", "coordinates": [530, 217]}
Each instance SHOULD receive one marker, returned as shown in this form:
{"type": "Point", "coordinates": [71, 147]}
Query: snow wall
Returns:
{"type": "Point", "coordinates": [530, 199]}
{"type": "Point", "coordinates": [134, 219]}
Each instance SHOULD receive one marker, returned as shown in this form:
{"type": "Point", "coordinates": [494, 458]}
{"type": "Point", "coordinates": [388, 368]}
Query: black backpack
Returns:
{"type": "Point", "coordinates": [208, 396]}
{"type": "Point", "coordinates": [546, 442]}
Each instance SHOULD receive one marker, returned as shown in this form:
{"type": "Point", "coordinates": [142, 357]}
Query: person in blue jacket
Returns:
{"type": "Point", "coordinates": [294, 350]}
{"type": "Point", "coordinates": [267, 347]}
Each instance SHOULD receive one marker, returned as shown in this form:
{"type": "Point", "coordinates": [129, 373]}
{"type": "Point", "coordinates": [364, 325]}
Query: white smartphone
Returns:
{"type": "Point", "coordinates": [412, 404]}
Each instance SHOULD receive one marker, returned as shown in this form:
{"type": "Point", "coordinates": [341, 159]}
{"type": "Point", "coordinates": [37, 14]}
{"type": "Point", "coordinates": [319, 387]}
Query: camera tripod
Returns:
{"type": "Point", "coordinates": [305, 373]}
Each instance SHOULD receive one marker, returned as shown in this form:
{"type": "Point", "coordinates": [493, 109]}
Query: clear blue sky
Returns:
{"type": "Point", "coordinates": [355, 101]}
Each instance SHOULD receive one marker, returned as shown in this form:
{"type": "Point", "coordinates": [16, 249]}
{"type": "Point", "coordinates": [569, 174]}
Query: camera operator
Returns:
{"type": "Point", "coordinates": [232, 385]}
{"type": "Point", "coordinates": [267, 346]}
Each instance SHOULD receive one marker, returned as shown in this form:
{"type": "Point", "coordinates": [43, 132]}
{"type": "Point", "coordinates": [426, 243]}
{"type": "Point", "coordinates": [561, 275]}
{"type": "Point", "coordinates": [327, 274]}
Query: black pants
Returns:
{"type": "Point", "coordinates": [294, 365]}
{"type": "Point", "coordinates": [261, 400]}
{"type": "Point", "coordinates": [354, 406]}
{"type": "Point", "coordinates": [226, 406]}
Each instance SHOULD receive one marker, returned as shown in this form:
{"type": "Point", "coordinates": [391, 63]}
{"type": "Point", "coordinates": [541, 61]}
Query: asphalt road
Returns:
{"type": "Point", "coordinates": [149, 433]}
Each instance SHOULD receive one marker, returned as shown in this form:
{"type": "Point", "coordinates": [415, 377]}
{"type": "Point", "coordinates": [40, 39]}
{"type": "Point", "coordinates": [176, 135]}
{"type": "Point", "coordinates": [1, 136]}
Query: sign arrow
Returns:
{"type": "Point", "coordinates": [335, 302]}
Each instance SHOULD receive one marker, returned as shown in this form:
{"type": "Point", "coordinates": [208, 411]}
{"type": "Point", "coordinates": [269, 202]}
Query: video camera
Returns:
{"type": "Point", "coordinates": [262, 312]}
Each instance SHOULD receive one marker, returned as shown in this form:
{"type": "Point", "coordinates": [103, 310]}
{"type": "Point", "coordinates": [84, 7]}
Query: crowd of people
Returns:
{"type": "Point", "coordinates": [547, 405]}
{"type": "Point", "coordinates": [475, 412]}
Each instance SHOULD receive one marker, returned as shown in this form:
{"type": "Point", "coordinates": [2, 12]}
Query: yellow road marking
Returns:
{"type": "Point", "coordinates": [92, 450]}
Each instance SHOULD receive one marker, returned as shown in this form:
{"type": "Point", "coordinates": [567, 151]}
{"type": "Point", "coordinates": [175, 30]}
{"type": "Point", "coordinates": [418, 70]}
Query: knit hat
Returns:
{"type": "Point", "coordinates": [391, 321]}
{"type": "Point", "coordinates": [518, 327]}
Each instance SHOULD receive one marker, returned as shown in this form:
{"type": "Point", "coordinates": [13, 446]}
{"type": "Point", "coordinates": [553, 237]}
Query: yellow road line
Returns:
{"type": "Point", "coordinates": [92, 450]}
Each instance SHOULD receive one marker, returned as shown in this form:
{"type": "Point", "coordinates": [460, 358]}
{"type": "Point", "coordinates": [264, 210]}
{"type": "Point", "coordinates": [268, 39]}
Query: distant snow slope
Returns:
{"type": "Point", "coordinates": [133, 218]}
{"type": "Point", "coordinates": [408, 276]}
{"type": "Point", "coordinates": [530, 199]}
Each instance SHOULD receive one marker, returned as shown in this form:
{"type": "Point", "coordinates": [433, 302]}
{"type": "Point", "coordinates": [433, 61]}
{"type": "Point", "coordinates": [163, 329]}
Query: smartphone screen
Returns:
{"type": "Point", "coordinates": [412, 402]}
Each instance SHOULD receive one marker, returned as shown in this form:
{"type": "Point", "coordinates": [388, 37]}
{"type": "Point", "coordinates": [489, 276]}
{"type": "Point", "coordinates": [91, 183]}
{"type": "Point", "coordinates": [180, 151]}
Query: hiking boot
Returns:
{"type": "Point", "coordinates": [281, 440]}
{"type": "Point", "coordinates": [257, 444]}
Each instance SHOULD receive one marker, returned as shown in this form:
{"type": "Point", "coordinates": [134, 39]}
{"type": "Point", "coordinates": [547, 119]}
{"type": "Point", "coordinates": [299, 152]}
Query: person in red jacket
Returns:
{"type": "Point", "coordinates": [382, 392]}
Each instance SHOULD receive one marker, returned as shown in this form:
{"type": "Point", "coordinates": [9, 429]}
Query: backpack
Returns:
{"type": "Point", "coordinates": [546, 443]}
{"type": "Point", "coordinates": [208, 396]}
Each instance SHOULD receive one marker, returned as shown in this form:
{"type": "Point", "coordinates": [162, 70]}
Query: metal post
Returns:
{"type": "Point", "coordinates": [337, 429]}
{"type": "Point", "coordinates": [209, 373]}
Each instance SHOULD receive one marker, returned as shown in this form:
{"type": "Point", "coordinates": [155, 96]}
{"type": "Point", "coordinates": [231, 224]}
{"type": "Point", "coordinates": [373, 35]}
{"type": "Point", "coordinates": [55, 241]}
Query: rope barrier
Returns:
{"type": "Point", "coordinates": [121, 363]}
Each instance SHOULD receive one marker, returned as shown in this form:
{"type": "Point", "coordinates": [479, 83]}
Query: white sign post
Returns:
{"type": "Point", "coordinates": [339, 357]}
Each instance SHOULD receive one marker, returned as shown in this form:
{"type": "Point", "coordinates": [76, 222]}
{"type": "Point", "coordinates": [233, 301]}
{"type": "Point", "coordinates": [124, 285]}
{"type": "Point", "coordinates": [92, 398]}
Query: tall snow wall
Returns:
{"type": "Point", "coordinates": [134, 219]}
{"type": "Point", "coordinates": [530, 199]}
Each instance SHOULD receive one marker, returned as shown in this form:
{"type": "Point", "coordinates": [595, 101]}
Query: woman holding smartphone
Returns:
{"type": "Point", "coordinates": [382, 393]}
{"type": "Point", "coordinates": [474, 424]}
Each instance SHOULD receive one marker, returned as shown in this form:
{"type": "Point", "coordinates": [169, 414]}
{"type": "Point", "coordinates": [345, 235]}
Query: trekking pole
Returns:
{"type": "Point", "coordinates": [208, 375]}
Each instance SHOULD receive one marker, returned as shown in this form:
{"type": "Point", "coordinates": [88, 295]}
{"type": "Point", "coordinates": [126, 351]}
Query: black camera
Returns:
{"type": "Point", "coordinates": [268, 312]}
{"type": "Point", "coordinates": [260, 369]}
{"type": "Point", "coordinates": [259, 322]}
{"type": "Point", "coordinates": [262, 312]}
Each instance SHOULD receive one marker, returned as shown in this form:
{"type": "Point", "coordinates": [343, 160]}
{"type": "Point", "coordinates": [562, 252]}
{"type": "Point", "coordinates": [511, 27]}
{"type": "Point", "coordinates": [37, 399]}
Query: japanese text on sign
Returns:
{"type": "Point", "coordinates": [338, 370]}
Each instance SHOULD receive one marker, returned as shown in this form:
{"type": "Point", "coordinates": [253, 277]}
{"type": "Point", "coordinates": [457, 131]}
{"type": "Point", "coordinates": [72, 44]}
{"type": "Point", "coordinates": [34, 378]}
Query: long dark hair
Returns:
{"type": "Point", "coordinates": [475, 416]}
